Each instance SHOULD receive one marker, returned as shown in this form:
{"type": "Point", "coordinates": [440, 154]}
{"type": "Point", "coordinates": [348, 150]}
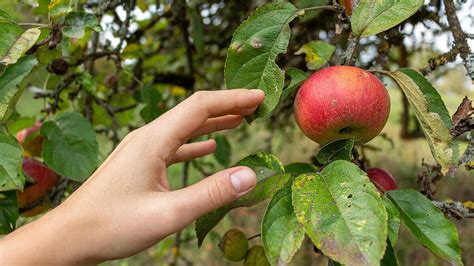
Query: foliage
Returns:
{"type": "Point", "coordinates": [92, 71]}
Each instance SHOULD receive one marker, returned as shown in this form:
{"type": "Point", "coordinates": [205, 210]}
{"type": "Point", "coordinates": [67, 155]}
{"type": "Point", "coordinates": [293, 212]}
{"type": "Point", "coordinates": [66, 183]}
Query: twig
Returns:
{"type": "Point", "coordinates": [456, 209]}
{"type": "Point", "coordinates": [254, 236]}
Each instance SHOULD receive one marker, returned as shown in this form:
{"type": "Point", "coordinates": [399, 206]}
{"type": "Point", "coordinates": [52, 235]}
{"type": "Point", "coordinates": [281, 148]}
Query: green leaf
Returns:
{"type": "Point", "coordinates": [9, 84]}
{"type": "Point", "coordinates": [342, 213]}
{"type": "Point", "coordinates": [297, 169]}
{"type": "Point", "coordinates": [428, 224]}
{"type": "Point", "coordinates": [393, 220]}
{"type": "Point", "coordinates": [336, 150]}
{"type": "Point", "coordinates": [32, 3]}
{"type": "Point", "coordinates": [11, 175]}
{"type": "Point", "coordinates": [389, 258]}
{"type": "Point", "coordinates": [282, 235]}
{"type": "Point", "coordinates": [76, 22]}
{"type": "Point", "coordinates": [197, 32]}
{"type": "Point", "coordinates": [432, 114]}
{"type": "Point", "coordinates": [270, 179]}
{"type": "Point", "coordinates": [8, 211]}
{"type": "Point", "coordinates": [151, 97]}
{"type": "Point", "coordinates": [223, 150]}
{"type": "Point", "coordinates": [70, 147]}
{"type": "Point", "coordinates": [59, 8]}
{"type": "Point", "coordinates": [251, 56]}
{"type": "Point", "coordinates": [4, 16]}
{"type": "Point", "coordinates": [371, 17]}
{"type": "Point", "coordinates": [297, 77]}
{"type": "Point", "coordinates": [317, 53]}
{"type": "Point", "coordinates": [15, 41]}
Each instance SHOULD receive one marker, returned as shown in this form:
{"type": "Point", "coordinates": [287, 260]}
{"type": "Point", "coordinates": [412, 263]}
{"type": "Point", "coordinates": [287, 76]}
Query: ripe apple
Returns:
{"type": "Point", "coordinates": [44, 179]}
{"type": "Point", "coordinates": [31, 140]}
{"type": "Point", "coordinates": [342, 102]}
{"type": "Point", "coordinates": [382, 180]}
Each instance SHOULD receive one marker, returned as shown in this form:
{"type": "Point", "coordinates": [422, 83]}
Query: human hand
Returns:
{"type": "Point", "coordinates": [127, 205]}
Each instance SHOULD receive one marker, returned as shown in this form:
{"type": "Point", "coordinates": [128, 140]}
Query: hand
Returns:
{"type": "Point", "coordinates": [127, 205]}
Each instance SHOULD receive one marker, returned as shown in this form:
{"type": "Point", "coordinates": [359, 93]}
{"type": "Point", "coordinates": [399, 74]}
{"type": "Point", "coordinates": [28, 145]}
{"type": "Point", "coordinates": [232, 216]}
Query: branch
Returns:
{"type": "Point", "coordinates": [456, 209]}
{"type": "Point", "coordinates": [440, 60]}
{"type": "Point", "coordinates": [459, 35]}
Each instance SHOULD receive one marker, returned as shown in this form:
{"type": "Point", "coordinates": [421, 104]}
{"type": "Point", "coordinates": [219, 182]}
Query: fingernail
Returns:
{"type": "Point", "coordinates": [242, 180]}
{"type": "Point", "coordinates": [257, 91]}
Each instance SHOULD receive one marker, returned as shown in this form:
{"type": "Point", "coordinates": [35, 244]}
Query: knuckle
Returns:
{"type": "Point", "coordinates": [220, 193]}
{"type": "Point", "coordinates": [200, 95]}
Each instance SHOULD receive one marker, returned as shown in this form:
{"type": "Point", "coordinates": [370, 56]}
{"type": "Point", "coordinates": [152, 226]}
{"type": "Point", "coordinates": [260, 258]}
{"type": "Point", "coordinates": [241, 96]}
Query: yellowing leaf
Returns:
{"type": "Point", "coordinates": [432, 115]}
{"type": "Point", "coordinates": [317, 53]}
{"type": "Point", "coordinates": [19, 46]}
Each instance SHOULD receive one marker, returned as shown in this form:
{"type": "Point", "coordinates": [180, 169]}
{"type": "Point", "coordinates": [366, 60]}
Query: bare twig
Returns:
{"type": "Point", "coordinates": [456, 209]}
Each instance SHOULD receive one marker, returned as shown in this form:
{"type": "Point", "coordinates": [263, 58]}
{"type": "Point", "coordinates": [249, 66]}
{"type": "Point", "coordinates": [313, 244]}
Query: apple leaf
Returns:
{"type": "Point", "coordinates": [252, 53]}
{"type": "Point", "coordinates": [8, 211]}
{"type": "Point", "coordinates": [270, 179]}
{"type": "Point", "coordinates": [197, 32]}
{"type": "Point", "coordinates": [389, 258]}
{"type": "Point", "coordinates": [75, 24]}
{"type": "Point", "coordinates": [297, 169]}
{"type": "Point", "coordinates": [70, 147]}
{"type": "Point", "coordinates": [297, 77]}
{"type": "Point", "coordinates": [151, 97]}
{"type": "Point", "coordinates": [282, 235]}
{"type": "Point", "coordinates": [32, 3]}
{"type": "Point", "coordinates": [371, 17]}
{"type": "Point", "coordinates": [336, 150]}
{"type": "Point", "coordinates": [59, 8]}
{"type": "Point", "coordinates": [11, 174]}
{"type": "Point", "coordinates": [317, 53]}
{"type": "Point", "coordinates": [223, 150]}
{"type": "Point", "coordinates": [15, 41]}
{"type": "Point", "coordinates": [393, 221]}
{"type": "Point", "coordinates": [342, 213]}
{"type": "Point", "coordinates": [428, 224]}
{"type": "Point", "coordinates": [432, 114]}
{"type": "Point", "coordinates": [9, 84]}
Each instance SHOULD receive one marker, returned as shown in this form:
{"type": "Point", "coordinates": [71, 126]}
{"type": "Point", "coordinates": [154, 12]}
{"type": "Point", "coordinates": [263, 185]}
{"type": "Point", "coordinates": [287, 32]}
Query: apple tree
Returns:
{"type": "Point", "coordinates": [78, 75]}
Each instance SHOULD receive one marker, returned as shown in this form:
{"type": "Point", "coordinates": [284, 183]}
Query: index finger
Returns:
{"type": "Point", "coordinates": [177, 125]}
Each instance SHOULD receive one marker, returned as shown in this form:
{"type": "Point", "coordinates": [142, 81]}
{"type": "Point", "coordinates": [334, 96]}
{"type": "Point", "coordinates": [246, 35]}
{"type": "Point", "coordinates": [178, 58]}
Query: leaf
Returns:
{"type": "Point", "coordinates": [70, 147]}
{"type": "Point", "coordinates": [4, 16]}
{"type": "Point", "coordinates": [336, 150]}
{"type": "Point", "coordinates": [428, 224]}
{"type": "Point", "coordinates": [282, 235]}
{"type": "Point", "coordinates": [151, 97]}
{"type": "Point", "coordinates": [9, 84]}
{"type": "Point", "coordinates": [389, 258]}
{"type": "Point", "coordinates": [270, 178]}
{"type": "Point", "coordinates": [393, 220]}
{"type": "Point", "coordinates": [197, 32]}
{"type": "Point", "coordinates": [76, 22]}
{"type": "Point", "coordinates": [223, 150]}
{"type": "Point", "coordinates": [371, 17]}
{"type": "Point", "coordinates": [252, 53]}
{"type": "Point", "coordinates": [32, 3]}
{"type": "Point", "coordinates": [297, 169]}
{"type": "Point", "coordinates": [297, 78]}
{"type": "Point", "coordinates": [317, 53]}
{"type": "Point", "coordinates": [15, 41]}
{"type": "Point", "coordinates": [342, 213]}
{"type": "Point", "coordinates": [59, 8]}
{"type": "Point", "coordinates": [11, 175]}
{"type": "Point", "coordinates": [432, 115]}
{"type": "Point", "coordinates": [8, 211]}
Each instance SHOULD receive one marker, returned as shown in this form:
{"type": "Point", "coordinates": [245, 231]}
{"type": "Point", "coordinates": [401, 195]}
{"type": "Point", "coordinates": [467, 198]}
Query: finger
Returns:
{"type": "Point", "coordinates": [213, 192]}
{"type": "Point", "coordinates": [181, 121]}
{"type": "Point", "coordinates": [193, 150]}
{"type": "Point", "coordinates": [217, 124]}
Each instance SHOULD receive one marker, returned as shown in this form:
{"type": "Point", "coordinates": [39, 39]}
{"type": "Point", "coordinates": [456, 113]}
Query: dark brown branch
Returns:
{"type": "Point", "coordinates": [440, 60]}
{"type": "Point", "coordinates": [459, 35]}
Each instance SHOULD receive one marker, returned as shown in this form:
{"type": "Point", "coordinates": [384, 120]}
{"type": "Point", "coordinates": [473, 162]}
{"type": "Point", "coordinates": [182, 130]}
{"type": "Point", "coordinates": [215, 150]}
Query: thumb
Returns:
{"type": "Point", "coordinates": [214, 191]}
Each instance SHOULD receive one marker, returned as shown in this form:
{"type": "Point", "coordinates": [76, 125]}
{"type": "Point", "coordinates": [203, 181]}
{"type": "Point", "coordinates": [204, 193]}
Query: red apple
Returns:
{"type": "Point", "coordinates": [44, 179]}
{"type": "Point", "coordinates": [382, 180]}
{"type": "Point", "coordinates": [31, 140]}
{"type": "Point", "coordinates": [342, 102]}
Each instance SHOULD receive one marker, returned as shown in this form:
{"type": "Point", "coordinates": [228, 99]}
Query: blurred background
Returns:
{"type": "Point", "coordinates": [170, 49]}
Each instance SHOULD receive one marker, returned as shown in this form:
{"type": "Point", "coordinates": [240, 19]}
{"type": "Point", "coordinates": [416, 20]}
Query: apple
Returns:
{"type": "Point", "coordinates": [234, 245]}
{"type": "Point", "coordinates": [31, 140]}
{"type": "Point", "coordinates": [342, 102]}
{"type": "Point", "coordinates": [44, 179]}
{"type": "Point", "coordinates": [382, 180]}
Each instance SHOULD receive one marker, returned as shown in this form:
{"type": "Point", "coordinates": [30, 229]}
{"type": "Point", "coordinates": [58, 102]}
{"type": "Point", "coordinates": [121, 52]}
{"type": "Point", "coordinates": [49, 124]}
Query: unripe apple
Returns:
{"type": "Point", "coordinates": [342, 102]}
{"type": "Point", "coordinates": [44, 180]}
{"type": "Point", "coordinates": [234, 245]}
{"type": "Point", "coordinates": [382, 180]}
{"type": "Point", "coordinates": [31, 140]}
